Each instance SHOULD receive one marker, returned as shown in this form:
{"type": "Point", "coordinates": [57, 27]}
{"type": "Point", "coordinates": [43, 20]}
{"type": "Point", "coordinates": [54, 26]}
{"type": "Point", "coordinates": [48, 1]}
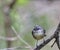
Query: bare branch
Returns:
{"type": "Point", "coordinates": [8, 38]}
{"type": "Point", "coordinates": [57, 37]}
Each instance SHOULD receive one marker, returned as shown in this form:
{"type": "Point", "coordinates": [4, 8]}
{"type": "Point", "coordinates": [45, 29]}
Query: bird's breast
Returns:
{"type": "Point", "coordinates": [38, 36]}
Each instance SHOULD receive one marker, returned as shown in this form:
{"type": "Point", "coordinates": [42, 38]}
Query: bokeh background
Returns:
{"type": "Point", "coordinates": [24, 16]}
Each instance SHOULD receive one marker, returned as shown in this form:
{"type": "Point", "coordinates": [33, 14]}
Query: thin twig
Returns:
{"type": "Point", "coordinates": [8, 38]}
{"type": "Point", "coordinates": [21, 38]}
{"type": "Point", "coordinates": [13, 48]}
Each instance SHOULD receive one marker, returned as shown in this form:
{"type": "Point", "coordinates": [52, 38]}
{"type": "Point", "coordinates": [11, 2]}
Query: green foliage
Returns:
{"type": "Point", "coordinates": [22, 2]}
{"type": "Point", "coordinates": [15, 19]}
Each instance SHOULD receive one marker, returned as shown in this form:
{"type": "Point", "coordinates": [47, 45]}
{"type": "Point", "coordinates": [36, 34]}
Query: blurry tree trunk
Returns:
{"type": "Point", "coordinates": [8, 29]}
{"type": "Point", "coordinates": [8, 23]}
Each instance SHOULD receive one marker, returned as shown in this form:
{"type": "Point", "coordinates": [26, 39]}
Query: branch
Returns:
{"type": "Point", "coordinates": [12, 4]}
{"type": "Point", "coordinates": [8, 38]}
{"type": "Point", "coordinates": [57, 37]}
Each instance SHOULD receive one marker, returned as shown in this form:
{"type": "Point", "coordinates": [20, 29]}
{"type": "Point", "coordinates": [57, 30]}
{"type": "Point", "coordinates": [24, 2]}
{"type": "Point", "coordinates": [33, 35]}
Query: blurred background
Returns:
{"type": "Point", "coordinates": [24, 15]}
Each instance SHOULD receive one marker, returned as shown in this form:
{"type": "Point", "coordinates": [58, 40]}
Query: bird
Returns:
{"type": "Point", "coordinates": [38, 33]}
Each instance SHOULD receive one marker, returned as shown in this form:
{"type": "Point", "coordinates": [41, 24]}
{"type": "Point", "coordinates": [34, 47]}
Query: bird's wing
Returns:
{"type": "Point", "coordinates": [33, 34]}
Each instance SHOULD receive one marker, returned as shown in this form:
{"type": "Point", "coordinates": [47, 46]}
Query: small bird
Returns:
{"type": "Point", "coordinates": [38, 33]}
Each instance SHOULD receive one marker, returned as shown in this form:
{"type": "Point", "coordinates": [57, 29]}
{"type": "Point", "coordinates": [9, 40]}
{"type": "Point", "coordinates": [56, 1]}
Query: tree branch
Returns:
{"type": "Point", "coordinates": [57, 37]}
